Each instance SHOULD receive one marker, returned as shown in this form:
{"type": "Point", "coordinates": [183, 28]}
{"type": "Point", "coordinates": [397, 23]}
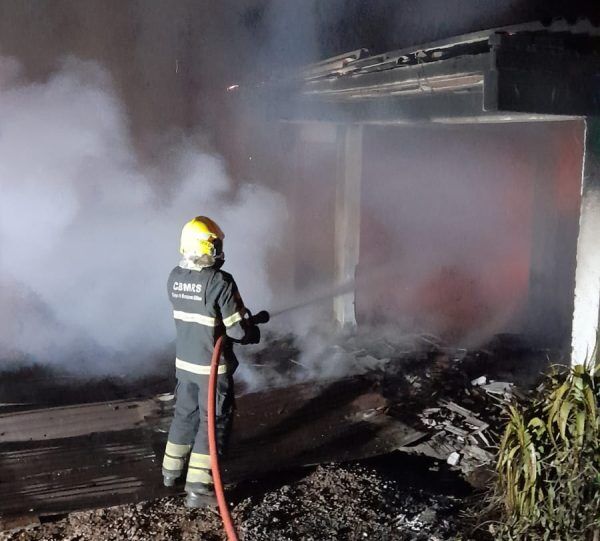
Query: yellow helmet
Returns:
{"type": "Point", "coordinates": [201, 236]}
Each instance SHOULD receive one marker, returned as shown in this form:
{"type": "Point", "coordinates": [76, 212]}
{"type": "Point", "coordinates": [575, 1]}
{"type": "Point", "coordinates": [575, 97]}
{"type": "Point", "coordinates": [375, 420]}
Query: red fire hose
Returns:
{"type": "Point", "coordinates": [212, 444]}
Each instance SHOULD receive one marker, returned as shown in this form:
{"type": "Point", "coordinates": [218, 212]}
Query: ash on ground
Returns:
{"type": "Point", "coordinates": [350, 502]}
{"type": "Point", "coordinates": [394, 498]}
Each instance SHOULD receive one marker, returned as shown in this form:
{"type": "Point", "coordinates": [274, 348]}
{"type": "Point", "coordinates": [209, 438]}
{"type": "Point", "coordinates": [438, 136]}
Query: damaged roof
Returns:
{"type": "Point", "coordinates": [524, 72]}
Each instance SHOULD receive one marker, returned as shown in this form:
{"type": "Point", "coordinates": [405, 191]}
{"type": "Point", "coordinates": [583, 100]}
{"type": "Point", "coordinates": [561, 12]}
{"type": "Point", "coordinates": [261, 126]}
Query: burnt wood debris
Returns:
{"type": "Point", "coordinates": [422, 399]}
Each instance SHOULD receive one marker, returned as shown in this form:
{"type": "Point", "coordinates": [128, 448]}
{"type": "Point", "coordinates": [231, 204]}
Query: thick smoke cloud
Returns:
{"type": "Point", "coordinates": [89, 227]}
{"type": "Point", "coordinates": [86, 241]}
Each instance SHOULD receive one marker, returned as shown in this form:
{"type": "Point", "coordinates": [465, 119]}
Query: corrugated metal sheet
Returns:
{"type": "Point", "coordinates": [77, 420]}
{"type": "Point", "coordinates": [62, 459]}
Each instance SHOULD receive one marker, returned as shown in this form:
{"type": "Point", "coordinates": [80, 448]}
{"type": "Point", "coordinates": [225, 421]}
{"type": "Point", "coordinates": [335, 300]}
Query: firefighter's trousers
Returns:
{"type": "Point", "coordinates": [189, 429]}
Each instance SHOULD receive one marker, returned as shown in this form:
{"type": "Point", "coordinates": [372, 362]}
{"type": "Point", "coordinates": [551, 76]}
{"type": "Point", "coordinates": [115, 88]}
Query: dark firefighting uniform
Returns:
{"type": "Point", "coordinates": [206, 305]}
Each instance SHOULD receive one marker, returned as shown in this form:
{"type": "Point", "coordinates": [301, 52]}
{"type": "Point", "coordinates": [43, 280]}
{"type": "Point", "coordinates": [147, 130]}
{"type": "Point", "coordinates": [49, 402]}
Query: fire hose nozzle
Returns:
{"type": "Point", "coordinates": [252, 330]}
{"type": "Point", "coordinates": [262, 317]}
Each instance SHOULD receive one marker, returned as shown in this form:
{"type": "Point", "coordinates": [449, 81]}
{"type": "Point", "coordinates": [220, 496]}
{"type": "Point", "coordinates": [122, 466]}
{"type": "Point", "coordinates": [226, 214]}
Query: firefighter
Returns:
{"type": "Point", "coordinates": [206, 305]}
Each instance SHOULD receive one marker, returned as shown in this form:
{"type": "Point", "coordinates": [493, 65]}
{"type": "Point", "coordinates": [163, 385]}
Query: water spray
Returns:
{"type": "Point", "coordinates": [337, 291]}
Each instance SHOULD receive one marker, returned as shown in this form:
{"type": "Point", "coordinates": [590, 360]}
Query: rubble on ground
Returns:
{"type": "Point", "coordinates": [466, 438]}
{"type": "Point", "coordinates": [349, 502]}
{"type": "Point", "coordinates": [441, 402]}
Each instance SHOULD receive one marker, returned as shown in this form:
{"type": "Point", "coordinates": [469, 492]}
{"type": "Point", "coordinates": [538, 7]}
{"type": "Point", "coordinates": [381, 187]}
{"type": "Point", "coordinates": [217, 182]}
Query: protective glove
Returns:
{"type": "Point", "coordinates": [252, 335]}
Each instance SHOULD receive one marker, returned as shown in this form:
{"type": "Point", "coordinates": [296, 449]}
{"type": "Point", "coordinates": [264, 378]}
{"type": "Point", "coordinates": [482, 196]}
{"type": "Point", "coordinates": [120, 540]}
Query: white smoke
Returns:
{"type": "Point", "coordinates": [86, 238]}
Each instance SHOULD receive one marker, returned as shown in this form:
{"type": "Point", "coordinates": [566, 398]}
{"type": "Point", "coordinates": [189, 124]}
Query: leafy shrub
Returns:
{"type": "Point", "coordinates": [548, 485]}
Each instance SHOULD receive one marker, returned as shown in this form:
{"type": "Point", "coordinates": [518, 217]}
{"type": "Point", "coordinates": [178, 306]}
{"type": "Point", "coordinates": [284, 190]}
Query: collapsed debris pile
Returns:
{"type": "Point", "coordinates": [390, 501]}
{"type": "Point", "coordinates": [427, 386]}
{"type": "Point", "coordinates": [351, 502]}
{"type": "Point", "coordinates": [384, 392]}
{"type": "Point", "coordinates": [466, 437]}
{"type": "Point", "coordinates": [163, 520]}
{"type": "Point", "coordinates": [430, 388]}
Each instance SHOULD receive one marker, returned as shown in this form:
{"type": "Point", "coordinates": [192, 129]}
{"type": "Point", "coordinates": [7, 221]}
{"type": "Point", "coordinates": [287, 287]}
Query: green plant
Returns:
{"type": "Point", "coordinates": [548, 485]}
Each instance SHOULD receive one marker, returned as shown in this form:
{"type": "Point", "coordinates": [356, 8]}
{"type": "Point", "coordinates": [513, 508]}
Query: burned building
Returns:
{"type": "Point", "coordinates": [453, 183]}
{"type": "Point", "coordinates": [450, 188]}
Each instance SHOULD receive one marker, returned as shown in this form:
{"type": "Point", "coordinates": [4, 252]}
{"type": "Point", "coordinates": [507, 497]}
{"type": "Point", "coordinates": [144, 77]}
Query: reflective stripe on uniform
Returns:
{"type": "Point", "coordinates": [198, 460]}
{"type": "Point", "coordinates": [177, 450]}
{"type": "Point", "coordinates": [173, 464]}
{"type": "Point", "coordinates": [198, 475]}
{"type": "Point", "coordinates": [198, 368]}
{"type": "Point", "coordinates": [175, 454]}
{"type": "Point", "coordinates": [233, 319]}
{"type": "Point", "coordinates": [190, 317]}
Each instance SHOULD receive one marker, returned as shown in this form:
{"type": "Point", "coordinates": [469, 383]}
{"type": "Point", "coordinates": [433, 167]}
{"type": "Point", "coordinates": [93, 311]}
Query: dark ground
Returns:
{"type": "Point", "coordinates": [393, 498]}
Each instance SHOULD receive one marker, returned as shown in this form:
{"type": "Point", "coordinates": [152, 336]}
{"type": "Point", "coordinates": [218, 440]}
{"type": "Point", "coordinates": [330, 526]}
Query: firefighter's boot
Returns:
{"type": "Point", "coordinates": [201, 496]}
{"type": "Point", "coordinates": [174, 462]}
{"type": "Point", "coordinates": [169, 480]}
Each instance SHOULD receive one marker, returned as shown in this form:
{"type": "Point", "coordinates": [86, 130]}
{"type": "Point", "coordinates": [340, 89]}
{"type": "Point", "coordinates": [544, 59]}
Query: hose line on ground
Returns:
{"type": "Point", "coordinates": [212, 444]}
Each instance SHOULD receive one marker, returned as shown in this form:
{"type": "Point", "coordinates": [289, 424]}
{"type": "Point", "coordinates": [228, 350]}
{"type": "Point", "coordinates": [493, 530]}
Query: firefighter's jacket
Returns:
{"type": "Point", "coordinates": [206, 305]}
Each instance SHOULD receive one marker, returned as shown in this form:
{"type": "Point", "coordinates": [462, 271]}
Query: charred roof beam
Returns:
{"type": "Point", "coordinates": [544, 73]}
{"type": "Point", "coordinates": [515, 74]}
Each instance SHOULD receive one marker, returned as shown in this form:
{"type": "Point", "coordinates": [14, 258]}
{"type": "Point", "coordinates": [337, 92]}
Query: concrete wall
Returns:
{"type": "Point", "coordinates": [587, 288]}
